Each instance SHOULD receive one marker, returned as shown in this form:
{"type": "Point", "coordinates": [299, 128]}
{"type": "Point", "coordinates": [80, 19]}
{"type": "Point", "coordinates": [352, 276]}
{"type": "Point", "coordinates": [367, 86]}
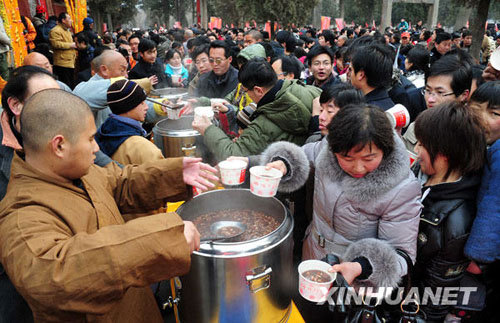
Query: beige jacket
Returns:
{"type": "Point", "coordinates": [61, 39]}
{"type": "Point", "coordinates": [69, 252]}
{"type": "Point", "coordinates": [137, 150]}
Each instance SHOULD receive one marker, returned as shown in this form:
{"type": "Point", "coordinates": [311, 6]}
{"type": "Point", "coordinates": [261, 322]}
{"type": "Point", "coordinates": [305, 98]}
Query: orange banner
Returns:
{"type": "Point", "coordinates": [268, 27]}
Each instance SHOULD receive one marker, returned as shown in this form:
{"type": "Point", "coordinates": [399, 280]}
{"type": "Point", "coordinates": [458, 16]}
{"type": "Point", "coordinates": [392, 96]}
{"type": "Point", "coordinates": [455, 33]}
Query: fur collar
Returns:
{"type": "Point", "coordinates": [392, 170]}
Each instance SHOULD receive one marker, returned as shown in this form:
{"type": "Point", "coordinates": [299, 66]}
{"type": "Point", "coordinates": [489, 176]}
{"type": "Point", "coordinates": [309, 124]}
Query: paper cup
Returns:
{"type": "Point", "coordinates": [232, 172]}
{"type": "Point", "coordinates": [201, 112]}
{"type": "Point", "coordinates": [399, 116]}
{"type": "Point", "coordinates": [264, 182]}
{"type": "Point", "coordinates": [314, 291]}
{"type": "Point", "coordinates": [217, 101]}
{"type": "Point", "coordinates": [177, 78]}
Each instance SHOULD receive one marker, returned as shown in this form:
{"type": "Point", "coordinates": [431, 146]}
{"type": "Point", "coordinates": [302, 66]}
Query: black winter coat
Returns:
{"type": "Point", "coordinates": [143, 69]}
{"type": "Point", "coordinates": [213, 86]}
{"type": "Point", "coordinates": [445, 224]}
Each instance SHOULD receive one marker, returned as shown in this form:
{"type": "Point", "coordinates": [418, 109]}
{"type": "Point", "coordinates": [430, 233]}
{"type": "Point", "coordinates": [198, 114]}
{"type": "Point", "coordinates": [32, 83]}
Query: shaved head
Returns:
{"type": "Point", "coordinates": [49, 113]}
{"type": "Point", "coordinates": [110, 64]}
{"type": "Point", "coordinates": [37, 59]}
{"type": "Point", "coordinates": [108, 57]}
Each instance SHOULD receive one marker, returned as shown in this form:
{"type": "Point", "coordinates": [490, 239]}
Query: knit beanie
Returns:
{"type": "Point", "coordinates": [125, 95]}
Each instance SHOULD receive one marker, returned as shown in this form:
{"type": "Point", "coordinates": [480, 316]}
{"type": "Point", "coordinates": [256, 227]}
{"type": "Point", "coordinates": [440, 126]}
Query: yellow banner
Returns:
{"type": "Point", "coordinates": [77, 9]}
{"type": "Point", "coordinates": [9, 10]}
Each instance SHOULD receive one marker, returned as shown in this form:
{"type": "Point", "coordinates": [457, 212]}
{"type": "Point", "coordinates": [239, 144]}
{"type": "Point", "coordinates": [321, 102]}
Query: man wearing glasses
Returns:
{"type": "Point", "coordinates": [449, 79]}
{"type": "Point", "coordinates": [223, 78]}
{"type": "Point", "coordinates": [320, 60]}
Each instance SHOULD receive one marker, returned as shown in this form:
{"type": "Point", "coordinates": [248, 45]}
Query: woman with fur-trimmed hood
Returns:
{"type": "Point", "coordinates": [366, 199]}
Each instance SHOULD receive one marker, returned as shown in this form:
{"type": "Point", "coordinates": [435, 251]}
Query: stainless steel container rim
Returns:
{"type": "Point", "coordinates": [158, 129]}
{"type": "Point", "coordinates": [248, 247]}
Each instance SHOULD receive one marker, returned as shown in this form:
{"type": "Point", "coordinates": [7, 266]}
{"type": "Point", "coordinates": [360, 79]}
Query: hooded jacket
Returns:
{"type": "Point", "coordinates": [286, 118]}
{"type": "Point", "coordinates": [124, 141]}
{"type": "Point", "coordinates": [356, 217]}
{"type": "Point", "coordinates": [445, 225]}
{"type": "Point", "coordinates": [238, 97]}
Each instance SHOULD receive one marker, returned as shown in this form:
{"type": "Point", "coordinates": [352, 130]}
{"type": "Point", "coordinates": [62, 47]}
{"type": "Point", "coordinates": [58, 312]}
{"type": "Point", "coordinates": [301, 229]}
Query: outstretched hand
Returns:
{"type": "Point", "coordinates": [153, 79]}
{"type": "Point", "coordinates": [198, 174]}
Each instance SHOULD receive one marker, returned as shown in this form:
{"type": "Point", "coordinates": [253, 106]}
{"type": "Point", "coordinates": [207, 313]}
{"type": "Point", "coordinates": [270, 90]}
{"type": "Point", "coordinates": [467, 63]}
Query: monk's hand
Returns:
{"type": "Point", "coordinates": [279, 165]}
{"type": "Point", "coordinates": [192, 236]}
{"type": "Point", "coordinates": [350, 270]}
{"type": "Point", "coordinates": [201, 124]}
{"type": "Point", "coordinates": [153, 79]}
{"type": "Point", "coordinates": [198, 174]}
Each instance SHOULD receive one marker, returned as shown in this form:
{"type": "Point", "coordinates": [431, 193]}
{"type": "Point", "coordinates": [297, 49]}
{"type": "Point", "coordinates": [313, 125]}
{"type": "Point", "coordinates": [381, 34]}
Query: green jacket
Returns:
{"type": "Point", "coordinates": [284, 119]}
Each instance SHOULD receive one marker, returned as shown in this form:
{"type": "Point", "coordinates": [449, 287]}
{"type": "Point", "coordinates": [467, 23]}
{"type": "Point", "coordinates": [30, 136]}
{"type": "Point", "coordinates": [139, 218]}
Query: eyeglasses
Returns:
{"type": "Point", "coordinates": [318, 63]}
{"type": "Point", "coordinates": [436, 94]}
{"type": "Point", "coordinates": [217, 60]}
{"type": "Point", "coordinates": [201, 61]}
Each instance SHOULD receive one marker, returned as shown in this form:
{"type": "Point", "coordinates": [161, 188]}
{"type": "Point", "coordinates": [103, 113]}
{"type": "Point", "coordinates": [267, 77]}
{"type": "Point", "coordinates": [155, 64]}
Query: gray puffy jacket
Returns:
{"type": "Point", "coordinates": [352, 217]}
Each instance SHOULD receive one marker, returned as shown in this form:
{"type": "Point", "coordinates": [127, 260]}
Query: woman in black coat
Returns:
{"type": "Point", "coordinates": [451, 148]}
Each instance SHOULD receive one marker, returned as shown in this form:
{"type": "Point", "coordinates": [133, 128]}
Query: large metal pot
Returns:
{"type": "Point", "coordinates": [177, 138]}
{"type": "Point", "coordinates": [169, 93]}
{"type": "Point", "coordinates": [249, 281]}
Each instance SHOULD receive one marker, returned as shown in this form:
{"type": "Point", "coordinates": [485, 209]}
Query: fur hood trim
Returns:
{"type": "Point", "coordinates": [386, 271]}
{"type": "Point", "coordinates": [393, 169]}
{"type": "Point", "coordinates": [298, 164]}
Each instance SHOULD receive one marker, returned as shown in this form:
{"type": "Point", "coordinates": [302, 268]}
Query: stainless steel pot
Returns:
{"type": "Point", "coordinates": [169, 93]}
{"type": "Point", "coordinates": [177, 138]}
{"type": "Point", "coordinates": [244, 282]}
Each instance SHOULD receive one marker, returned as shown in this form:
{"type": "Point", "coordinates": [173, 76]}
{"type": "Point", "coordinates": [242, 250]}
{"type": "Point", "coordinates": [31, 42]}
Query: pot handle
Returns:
{"type": "Point", "coordinates": [189, 151]}
{"type": "Point", "coordinates": [260, 281]}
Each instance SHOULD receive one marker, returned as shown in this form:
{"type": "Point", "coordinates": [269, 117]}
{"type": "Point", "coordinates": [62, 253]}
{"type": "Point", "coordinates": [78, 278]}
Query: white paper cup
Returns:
{"type": "Point", "coordinates": [399, 116]}
{"type": "Point", "coordinates": [201, 112]}
{"type": "Point", "coordinates": [217, 101]}
{"type": "Point", "coordinates": [232, 172]}
{"type": "Point", "coordinates": [310, 290]}
{"type": "Point", "coordinates": [177, 79]}
{"type": "Point", "coordinates": [264, 182]}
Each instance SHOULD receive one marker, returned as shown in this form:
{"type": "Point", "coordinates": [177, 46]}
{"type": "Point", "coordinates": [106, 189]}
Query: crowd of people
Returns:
{"type": "Point", "coordinates": [81, 236]}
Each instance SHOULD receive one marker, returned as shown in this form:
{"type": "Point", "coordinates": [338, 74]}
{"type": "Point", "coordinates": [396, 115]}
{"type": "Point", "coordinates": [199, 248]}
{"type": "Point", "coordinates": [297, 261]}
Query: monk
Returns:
{"type": "Point", "coordinates": [63, 241]}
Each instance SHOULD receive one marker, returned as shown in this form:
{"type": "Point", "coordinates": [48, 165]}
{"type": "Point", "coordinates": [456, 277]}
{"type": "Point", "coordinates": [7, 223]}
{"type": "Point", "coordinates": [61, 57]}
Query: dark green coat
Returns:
{"type": "Point", "coordinates": [284, 119]}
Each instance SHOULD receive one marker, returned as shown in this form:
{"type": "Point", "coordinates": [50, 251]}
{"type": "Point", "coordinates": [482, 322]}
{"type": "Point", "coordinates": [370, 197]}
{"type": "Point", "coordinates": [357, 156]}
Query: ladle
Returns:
{"type": "Point", "coordinates": [219, 225]}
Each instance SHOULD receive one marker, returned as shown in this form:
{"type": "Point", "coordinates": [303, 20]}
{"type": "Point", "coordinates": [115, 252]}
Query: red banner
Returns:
{"type": "Point", "coordinates": [219, 23]}
{"type": "Point", "coordinates": [325, 23]}
{"type": "Point", "coordinates": [340, 23]}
